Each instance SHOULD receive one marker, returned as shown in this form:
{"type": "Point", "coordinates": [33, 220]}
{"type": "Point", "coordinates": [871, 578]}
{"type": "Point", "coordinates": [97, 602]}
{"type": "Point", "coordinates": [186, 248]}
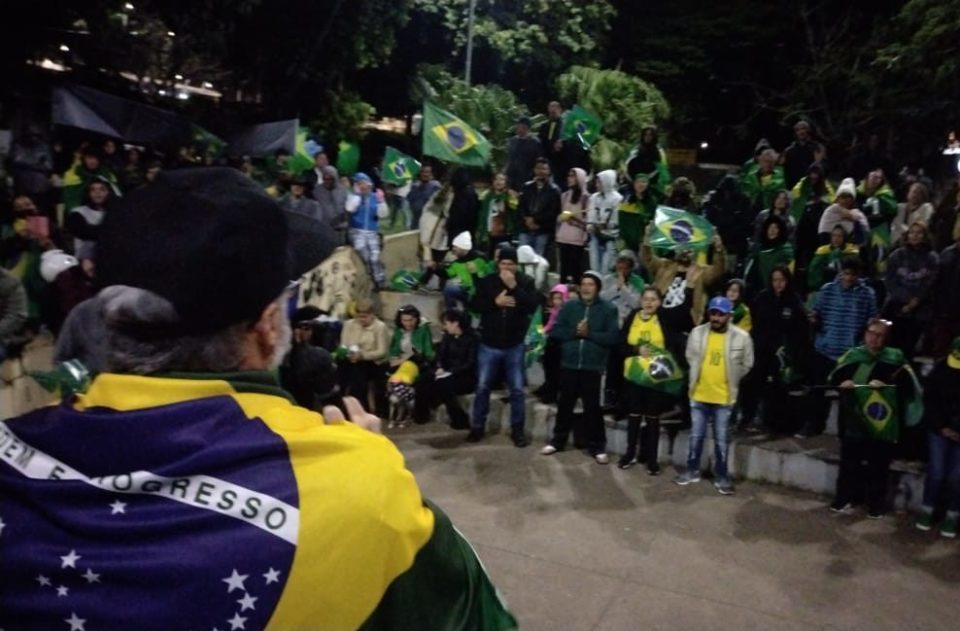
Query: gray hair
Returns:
{"type": "Point", "coordinates": [135, 322]}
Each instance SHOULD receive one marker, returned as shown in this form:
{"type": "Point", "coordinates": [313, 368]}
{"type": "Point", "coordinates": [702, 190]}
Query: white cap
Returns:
{"type": "Point", "coordinates": [463, 241]}
{"type": "Point", "coordinates": [847, 187]}
{"type": "Point", "coordinates": [52, 262]}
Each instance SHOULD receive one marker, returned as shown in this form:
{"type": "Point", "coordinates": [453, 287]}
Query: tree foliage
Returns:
{"type": "Point", "coordinates": [490, 109]}
{"type": "Point", "coordinates": [625, 103]}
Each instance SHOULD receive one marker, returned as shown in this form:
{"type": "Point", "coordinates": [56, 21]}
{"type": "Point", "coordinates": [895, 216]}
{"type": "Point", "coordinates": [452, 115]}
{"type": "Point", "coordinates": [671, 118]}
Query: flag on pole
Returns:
{"type": "Point", "coordinates": [348, 157]}
{"type": "Point", "coordinates": [675, 229]}
{"type": "Point", "coordinates": [450, 139]}
{"type": "Point", "coordinates": [582, 125]}
{"type": "Point", "coordinates": [660, 371]}
{"type": "Point", "coordinates": [399, 168]}
{"type": "Point", "coordinates": [300, 160]}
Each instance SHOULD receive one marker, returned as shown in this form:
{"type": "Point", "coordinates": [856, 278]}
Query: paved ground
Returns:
{"type": "Point", "coordinates": [574, 545]}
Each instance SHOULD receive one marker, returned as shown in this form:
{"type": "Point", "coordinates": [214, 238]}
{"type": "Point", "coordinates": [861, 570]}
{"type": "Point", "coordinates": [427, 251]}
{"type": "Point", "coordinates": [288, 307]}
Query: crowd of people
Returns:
{"type": "Point", "coordinates": [822, 276]}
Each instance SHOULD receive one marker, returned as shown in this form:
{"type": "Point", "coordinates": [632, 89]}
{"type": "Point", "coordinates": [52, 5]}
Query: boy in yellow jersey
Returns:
{"type": "Point", "coordinates": [719, 355]}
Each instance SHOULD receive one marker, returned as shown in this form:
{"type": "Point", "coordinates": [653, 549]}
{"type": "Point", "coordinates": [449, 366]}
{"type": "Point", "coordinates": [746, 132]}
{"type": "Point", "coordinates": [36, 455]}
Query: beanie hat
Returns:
{"type": "Point", "coordinates": [595, 276]}
{"type": "Point", "coordinates": [463, 241]}
{"type": "Point", "coordinates": [847, 187]}
{"type": "Point", "coordinates": [362, 177]}
{"type": "Point", "coordinates": [507, 253]}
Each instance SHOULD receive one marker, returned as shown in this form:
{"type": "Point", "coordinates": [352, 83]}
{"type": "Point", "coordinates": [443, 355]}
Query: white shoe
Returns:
{"type": "Point", "coordinates": [602, 458]}
{"type": "Point", "coordinates": [548, 450]}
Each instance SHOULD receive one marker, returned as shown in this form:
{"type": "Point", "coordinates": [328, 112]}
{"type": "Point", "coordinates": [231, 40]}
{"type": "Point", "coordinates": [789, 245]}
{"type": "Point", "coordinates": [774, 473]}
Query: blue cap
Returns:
{"type": "Point", "coordinates": [362, 177]}
{"type": "Point", "coordinates": [721, 304]}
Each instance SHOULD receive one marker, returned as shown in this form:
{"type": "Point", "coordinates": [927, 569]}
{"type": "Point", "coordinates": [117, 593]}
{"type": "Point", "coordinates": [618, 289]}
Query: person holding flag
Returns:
{"type": "Point", "coordinates": [879, 393]}
{"type": "Point", "coordinates": [652, 341]}
{"type": "Point", "coordinates": [682, 233]}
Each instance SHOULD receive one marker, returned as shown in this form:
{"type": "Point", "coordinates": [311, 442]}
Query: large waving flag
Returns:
{"type": "Point", "coordinates": [660, 371]}
{"type": "Point", "coordinates": [399, 168]}
{"type": "Point", "coordinates": [301, 160]}
{"type": "Point", "coordinates": [450, 139]}
{"type": "Point", "coordinates": [348, 157]}
{"type": "Point", "coordinates": [582, 125]}
{"type": "Point", "coordinates": [675, 229]}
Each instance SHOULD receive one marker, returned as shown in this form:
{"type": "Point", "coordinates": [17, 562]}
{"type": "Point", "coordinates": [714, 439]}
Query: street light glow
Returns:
{"type": "Point", "coordinates": [704, 145]}
{"type": "Point", "coordinates": [207, 85]}
{"type": "Point", "coordinates": [178, 77]}
{"type": "Point", "coordinates": [171, 34]}
{"type": "Point", "coordinates": [64, 48]}
{"type": "Point", "coordinates": [128, 6]}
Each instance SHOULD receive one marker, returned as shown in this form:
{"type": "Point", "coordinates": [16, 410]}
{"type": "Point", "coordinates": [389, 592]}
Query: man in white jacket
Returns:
{"type": "Point", "coordinates": [602, 221]}
{"type": "Point", "coordinates": [719, 355]}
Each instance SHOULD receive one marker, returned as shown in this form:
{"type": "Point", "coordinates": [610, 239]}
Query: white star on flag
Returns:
{"type": "Point", "coordinates": [76, 624]}
{"type": "Point", "coordinates": [70, 560]}
{"type": "Point", "coordinates": [247, 602]}
{"type": "Point", "coordinates": [43, 580]}
{"type": "Point", "coordinates": [237, 622]}
{"type": "Point", "coordinates": [91, 576]}
{"type": "Point", "coordinates": [63, 590]}
{"type": "Point", "coordinates": [118, 507]}
{"type": "Point", "coordinates": [235, 581]}
{"type": "Point", "coordinates": [272, 576]}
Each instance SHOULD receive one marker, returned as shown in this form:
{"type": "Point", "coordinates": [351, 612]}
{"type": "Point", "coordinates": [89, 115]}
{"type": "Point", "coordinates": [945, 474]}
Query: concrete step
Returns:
{"type": "Point", "coordinates": [809, 464]}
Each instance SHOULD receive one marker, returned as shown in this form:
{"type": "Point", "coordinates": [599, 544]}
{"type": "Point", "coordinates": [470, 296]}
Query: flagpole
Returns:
{"type": "Point", "coordinates": [473, 6]}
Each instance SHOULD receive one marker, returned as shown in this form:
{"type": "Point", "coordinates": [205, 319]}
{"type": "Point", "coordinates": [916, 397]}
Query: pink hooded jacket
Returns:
{"type": "Point", "coordinates": [573, 231]}
{"type": "Point", "coordinates": [564, 291]}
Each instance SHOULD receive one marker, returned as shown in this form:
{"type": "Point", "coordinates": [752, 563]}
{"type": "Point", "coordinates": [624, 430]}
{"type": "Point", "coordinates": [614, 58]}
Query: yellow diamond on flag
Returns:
{"type": "Point", "coordinates": [877, 410]}
{"type": "Point", "coordinates": [456, 136]}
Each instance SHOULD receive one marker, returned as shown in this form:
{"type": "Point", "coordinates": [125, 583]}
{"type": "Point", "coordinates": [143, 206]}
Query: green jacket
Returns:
{"type": "Point", "coordinates": [422, 341]}
{"type": "Point", "coordinates": [589, 353]}
{"type": "Point", "coordinates": [467, 268]}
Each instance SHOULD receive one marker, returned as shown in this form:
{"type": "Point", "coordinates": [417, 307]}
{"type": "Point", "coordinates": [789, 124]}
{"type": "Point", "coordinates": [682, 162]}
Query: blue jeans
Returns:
{"type": "Point", "coordinates": [602, 254]}
{"type": "Point", "coordinates": [489, 361]}
{"type": "Point", "coordinates": [454, 293]}
{"type": "Point", "coordinates": [538, 242]}
{"type": "Point", "coordinates": [701, 414]}
{"type": "Point", "coordinates": [943, 468]}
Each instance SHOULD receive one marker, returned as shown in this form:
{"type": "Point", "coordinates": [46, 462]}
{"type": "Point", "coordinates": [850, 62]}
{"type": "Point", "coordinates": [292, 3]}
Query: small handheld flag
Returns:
{"type": "Point", "coordinates": [659, 371]}
{"type": "Point", "coordinates": [399, 168]}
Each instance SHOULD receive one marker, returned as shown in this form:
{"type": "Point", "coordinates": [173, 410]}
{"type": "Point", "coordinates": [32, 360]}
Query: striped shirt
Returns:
{"type": "Point", "coordinates": [843, 315]}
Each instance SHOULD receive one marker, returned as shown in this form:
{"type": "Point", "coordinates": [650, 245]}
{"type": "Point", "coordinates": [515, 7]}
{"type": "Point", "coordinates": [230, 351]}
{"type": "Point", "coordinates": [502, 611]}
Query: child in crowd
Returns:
{"type": "Point", "coordinates": [551, 354]}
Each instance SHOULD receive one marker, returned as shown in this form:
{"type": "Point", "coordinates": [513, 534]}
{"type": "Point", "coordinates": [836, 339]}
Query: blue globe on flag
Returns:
{"type": "Point", "coordinates": [400, 169]}
{"type": "Point", "coordinates": [681, 231]}
{"type": "Point", "coordinates": [661, 368]}
{"type": "Point", "coordinates": [580, 127]}
{"type": "Point", "coordinates": [456, 137]}
{"type": "Point", "coordinates": [877, 411]}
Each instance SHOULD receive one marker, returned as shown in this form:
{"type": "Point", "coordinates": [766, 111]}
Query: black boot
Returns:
{"type": "Point", "coordinates": [629, 459]}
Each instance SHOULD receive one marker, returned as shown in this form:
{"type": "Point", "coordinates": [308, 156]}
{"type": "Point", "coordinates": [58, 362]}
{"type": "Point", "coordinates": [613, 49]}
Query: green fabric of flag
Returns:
{"type": "Point", "coordinates": [450, 139]}
{"type": "Point", "coordinates": [878, 408]}
{"type": "Point", "coordinates": [762, 189]}
{"type": "Point", "coordinates": [660, 371]}
{"type": "Point", "coordinates": [300, 161]}
{"type": "Point", "coordinates": [675, 229]}
{"type": "Point", "coordinates": [404, 280]}
{"type": "Point", "coordinates": [209, 143]}
{"type": "Point", "coordinates": [66, 379]}
{"type": "Point", "coordinates": [399, 168]}
{"type": "Point", "coordinates": [802, 194]}
{"type": "Point", "coordinates": [762, 262]}
{"type": "Point", "coordinates": [536, 340]}
{"type": "Point", "coordinates": [348, 157]}
{"type": "Point", "coordinates": [581, 125]}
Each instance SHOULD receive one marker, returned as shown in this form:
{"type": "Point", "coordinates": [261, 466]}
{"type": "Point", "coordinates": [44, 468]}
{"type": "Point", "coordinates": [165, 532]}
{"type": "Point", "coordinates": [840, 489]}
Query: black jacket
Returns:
{"type": "Point", "coordinates": [727, 208]}
{"type": "Point", "coordinates": [504, 327]}
{"type": "Point", "coordinates": [778, 321]}
{"type": "Point", "coordinates": [458, 355]}
{"type": "Point", "coordinates": [942, 398]}
{"type": "Point", "coordinates": [542, 204]}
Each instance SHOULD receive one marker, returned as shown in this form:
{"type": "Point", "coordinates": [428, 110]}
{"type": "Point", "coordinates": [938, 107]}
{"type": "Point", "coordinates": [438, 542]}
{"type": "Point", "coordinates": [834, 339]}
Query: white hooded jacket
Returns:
{"type": "Point", "coordinates": [602, 216]}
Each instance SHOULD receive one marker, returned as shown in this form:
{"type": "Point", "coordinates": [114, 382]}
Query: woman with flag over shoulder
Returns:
{"type": "Point", "coordinates": [878, 392]}
{"type": "Point", "coordinates": [652, 340]}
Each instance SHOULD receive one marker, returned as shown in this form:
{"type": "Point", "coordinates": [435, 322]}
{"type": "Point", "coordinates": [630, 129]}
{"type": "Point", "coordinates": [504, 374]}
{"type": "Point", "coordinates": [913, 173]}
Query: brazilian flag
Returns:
{"type": "Point", "coordinates": [450, 139]}
{"type": "Point", "coordinates": [300, 161]}
{"type": "Point", "coordinates": [582, 125]}
{"type": "Point", "coordinates": [660, 371]}
{"type": "Point", "coordinates": [675, 229]}
{"type": "Point", "coordinates": [348, 157]}
{"type": "Point", "coordinates": [878, 408]}
{"type": "Point", "coordinates": [399, 168]}
{"type": "Point", "coordinates": [536, 340]}
{"type": "Point", "coordinates": [404, 280]}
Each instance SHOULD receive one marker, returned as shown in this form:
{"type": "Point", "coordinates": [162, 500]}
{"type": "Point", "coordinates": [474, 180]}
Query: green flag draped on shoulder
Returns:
{"type": "Point", "coordinates": [450, 139]}
{"type": "Point", "coordinates": [399, 168]}
{"type": "Point", "coordinates": [879, 408]}
{"type": "Point", "coordinates": [675, 229]}
{"type": "Point", "coordinates": [660, 371]}
{"type": "Point", "coordinates": [582, 125]}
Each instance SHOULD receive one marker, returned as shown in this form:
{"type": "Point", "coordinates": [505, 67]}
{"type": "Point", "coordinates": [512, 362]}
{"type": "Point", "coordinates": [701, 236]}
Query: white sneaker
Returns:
{"type": "Point", "coordinates": [548, 450]}
{"type": "Point", "coordinates": [602, 458]}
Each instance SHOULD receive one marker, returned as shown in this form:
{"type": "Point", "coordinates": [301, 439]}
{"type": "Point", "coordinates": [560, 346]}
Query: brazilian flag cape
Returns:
{"type": "Point", "coordinates": [536, 340]}
{"type": "Point", "coordinates": [660, 371]}
{"type": "Point", "coordinates": [675, 229]}
{"type": "Point", "coordinates": [761, 264]}
{"type": "Point", "coordinates": [634, 215]}
{"type": "Point", "coordinates": [824, 257]}
{"type": "Point", "coordinates": [880, 209]}
{"type": "Point", "coordinates": [878, 409]}
{"type": "Point", "coordinates": [198, 503]}
{"type": "Point", "coordinates": [75, 182]}
{"type": "Point", "coordinates": [800, 197]}
{"type": "Point", "coordinates": [490, 201]}
{"type": "Point", "coordinates": [762, 189]}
